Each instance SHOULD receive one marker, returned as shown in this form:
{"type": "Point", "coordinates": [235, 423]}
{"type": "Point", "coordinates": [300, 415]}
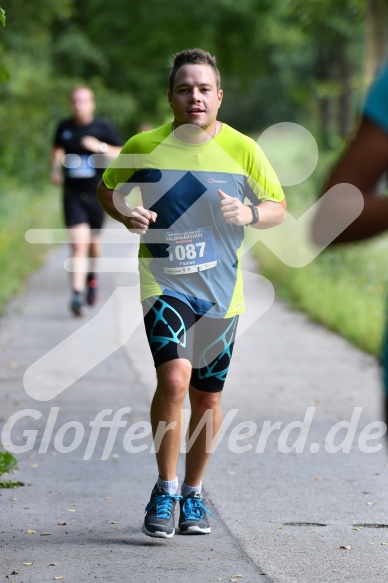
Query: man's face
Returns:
{"type": "Point", "coordinates": [82, 104]}
{"type": "Point", "coordinates": [195, 98]}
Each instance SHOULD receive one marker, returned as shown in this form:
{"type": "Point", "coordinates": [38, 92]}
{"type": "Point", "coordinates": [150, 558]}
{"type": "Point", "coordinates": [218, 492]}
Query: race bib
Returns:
{"type": "Point", "coordinates": [80, 167]}
{"type": "Point", "coordinates": [190, 251]}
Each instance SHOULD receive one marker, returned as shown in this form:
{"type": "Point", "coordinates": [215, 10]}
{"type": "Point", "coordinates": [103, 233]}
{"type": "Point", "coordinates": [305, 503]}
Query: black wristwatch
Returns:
{"type": "Point", "coordinates": [255, 214]}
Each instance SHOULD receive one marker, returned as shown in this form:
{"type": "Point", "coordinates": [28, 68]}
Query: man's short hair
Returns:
{"type": "Point", "coordinates": [81, 87]}
{"type": "Point", "coordinates": [193, 57]}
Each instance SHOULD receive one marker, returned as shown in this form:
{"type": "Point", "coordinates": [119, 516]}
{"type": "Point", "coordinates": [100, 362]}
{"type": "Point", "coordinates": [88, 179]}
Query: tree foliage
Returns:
{"type": "Point", "coordinates": [281, 60]}
{"type": "Point", "coordinates": [3, 71]}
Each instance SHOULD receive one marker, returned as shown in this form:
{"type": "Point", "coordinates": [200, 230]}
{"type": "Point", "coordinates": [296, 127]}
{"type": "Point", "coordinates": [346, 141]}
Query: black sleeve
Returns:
{"type": "Point", "coordinates": [111, 135]}
{"type": "Point", "coordinates": [57, 142]}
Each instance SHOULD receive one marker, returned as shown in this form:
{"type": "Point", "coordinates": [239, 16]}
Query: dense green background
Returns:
{"type": "Point", "coordinates": [305, 61]}
{"type": "Point", "coordinates": [281, 60]}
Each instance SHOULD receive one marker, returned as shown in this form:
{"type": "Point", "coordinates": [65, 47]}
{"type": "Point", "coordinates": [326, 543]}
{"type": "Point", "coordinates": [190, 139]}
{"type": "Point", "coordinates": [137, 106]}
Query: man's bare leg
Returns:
{"type": "Point", "coordinates": [166, 410]}
{"type": "Point", "coordinates": [204, 407]}
{"type": "Point", "coordinates": [79, 243]}
{"type": "Point", "coordinates": [166, 419]}
{"type": "Point", "coordinates": [95, 251]}
{"type": "Point", "coordinates": [205, 422]}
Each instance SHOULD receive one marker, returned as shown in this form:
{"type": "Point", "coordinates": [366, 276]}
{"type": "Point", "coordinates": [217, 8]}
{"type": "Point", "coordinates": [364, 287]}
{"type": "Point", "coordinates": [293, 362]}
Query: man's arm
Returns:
{"type": "Point", "coordinates": [237, 213]}
{"type": "Point", "coordinates": [56, 175]}
{"type": "Point", "coordinates": [113, 202]}
{"type": "Point", "coordinates": [94, 145]}
{"type": "Point", "coordinates": [362, 165]}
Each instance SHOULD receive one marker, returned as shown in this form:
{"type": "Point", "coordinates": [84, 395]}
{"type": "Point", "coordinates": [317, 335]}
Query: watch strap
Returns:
{"type": "Point", "coordinates": [255, 214]}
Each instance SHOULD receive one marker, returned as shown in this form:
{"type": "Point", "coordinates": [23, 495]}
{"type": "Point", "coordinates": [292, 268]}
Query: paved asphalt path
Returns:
{"type": "Point", "coordinates": [288, 509]}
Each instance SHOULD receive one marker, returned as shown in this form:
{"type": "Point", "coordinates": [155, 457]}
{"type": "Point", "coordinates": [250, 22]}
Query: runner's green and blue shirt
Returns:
{"type": "Point", "coordinates": [190, 252]}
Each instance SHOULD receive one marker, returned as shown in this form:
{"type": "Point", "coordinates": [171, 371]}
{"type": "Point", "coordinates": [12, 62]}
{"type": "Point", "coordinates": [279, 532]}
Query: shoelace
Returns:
{"type": "Point", "coordinates": [192, 509]}
{"type": "Point", "coordinates": [163, 503]}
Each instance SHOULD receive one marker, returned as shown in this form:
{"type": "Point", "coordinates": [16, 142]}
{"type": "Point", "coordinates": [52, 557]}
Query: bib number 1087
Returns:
{"type": "Point", "coordinates": [188, 251]}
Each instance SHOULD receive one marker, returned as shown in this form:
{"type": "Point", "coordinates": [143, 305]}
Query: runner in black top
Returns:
{"type": "Point", "coordinates": [76, 140]}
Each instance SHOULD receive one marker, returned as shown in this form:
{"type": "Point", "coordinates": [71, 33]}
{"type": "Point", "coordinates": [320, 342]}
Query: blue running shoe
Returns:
{"type": "Point", "coordinates": [76, 304]}
{"type": "Point", "coordinates": [159, 520]}
{"type": "Point", "coordinates": [193, 519]}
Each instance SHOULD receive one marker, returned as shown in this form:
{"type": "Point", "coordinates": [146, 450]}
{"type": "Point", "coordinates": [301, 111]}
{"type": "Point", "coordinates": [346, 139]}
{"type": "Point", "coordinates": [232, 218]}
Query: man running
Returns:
{"type": "Point", "coordinates": [76, 140]}
{"type": "Point", "coordinates": [194, 175]}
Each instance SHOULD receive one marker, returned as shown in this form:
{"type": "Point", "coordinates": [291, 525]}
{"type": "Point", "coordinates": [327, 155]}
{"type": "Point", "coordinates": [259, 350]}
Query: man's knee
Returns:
{"type": "Point", "coordinates": [79, 249]}
{"type": "Point", "coordinates": [204, 401]}
{"type": "Point", "coordinates": [174, 378]}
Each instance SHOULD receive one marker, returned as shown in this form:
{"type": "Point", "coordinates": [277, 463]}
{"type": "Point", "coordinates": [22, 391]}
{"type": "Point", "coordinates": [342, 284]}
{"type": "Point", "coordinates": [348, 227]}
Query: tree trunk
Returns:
{"type": "Point", "coordinates": [345, 118]}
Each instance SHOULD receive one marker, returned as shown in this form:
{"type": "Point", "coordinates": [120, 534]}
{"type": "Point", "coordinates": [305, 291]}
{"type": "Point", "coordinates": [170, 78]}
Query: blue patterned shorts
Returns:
{"type": "Point", "coordinates": [175, 331]}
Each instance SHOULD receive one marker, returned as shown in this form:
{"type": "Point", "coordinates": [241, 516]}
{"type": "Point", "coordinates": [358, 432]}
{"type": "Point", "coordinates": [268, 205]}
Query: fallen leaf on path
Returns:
{"type": "Point", "coordinates": [62, 523]}
{"type": "Point", "coordinates": [111, 522]}
{"type": "Point", "coordinates": [71, 510]}
{"type": "Point", "coordinates": [59, 577]}
{"type": "Point", "coordinates": [29, 531]}
{"type": "Point", "coordinates": [28, 564]}
{"type": "Point", "coordinates": [45, 534]}
{"type": "Point", "coordinates": [358, 528]}
{"type": "Point", "coordinates": [346, 547]}
{"type": "Point", "coordinates": [53, 564]}
{"type": "Point", "coordinates": [371, 503]}
{"type": "Point", "coordinates": [15, 572]}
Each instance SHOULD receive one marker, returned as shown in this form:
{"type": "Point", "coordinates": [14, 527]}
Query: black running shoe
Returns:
{"type": "Point", "coordinates": [193, 519]}
{"type": "Point", "coordinates": [159, 520]}
{"type": "Point", "coordinates": [92, 289]}
{"type": "Point", "coordinates": [76, 304]}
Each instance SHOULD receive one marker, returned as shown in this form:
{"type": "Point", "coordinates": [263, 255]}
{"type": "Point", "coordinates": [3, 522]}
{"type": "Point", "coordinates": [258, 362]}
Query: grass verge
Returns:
{"type": "Point", "coordinates": [345, 287]}
{"type": "Point", "coordinates": [22, 209]}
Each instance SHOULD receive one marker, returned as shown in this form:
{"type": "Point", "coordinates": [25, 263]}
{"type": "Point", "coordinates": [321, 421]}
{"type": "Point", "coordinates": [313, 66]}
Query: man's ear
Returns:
{"type": "Point", "coordinates": [169, 97]}
{"type": "Point", "coordinates": [220, 96]}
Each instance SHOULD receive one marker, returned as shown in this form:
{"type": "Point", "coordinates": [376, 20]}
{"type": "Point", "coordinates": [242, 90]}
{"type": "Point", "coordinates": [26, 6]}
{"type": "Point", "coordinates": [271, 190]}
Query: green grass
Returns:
{"type": "Point", "coordinates": [345, 287]}
{"type": "Point", "coordinates": [342, 289]}
{"type": "Point", "coordinates": [22, 209]}
{"type": "Point", "coordinates": [7, 464]}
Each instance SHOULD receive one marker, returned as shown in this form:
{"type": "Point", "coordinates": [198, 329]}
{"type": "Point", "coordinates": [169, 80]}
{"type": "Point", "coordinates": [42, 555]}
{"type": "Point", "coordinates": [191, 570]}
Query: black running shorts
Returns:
{"type": "Point", "coordinates": [83, 208]}
{"type": "Point", "coordinates": [175, 331]}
